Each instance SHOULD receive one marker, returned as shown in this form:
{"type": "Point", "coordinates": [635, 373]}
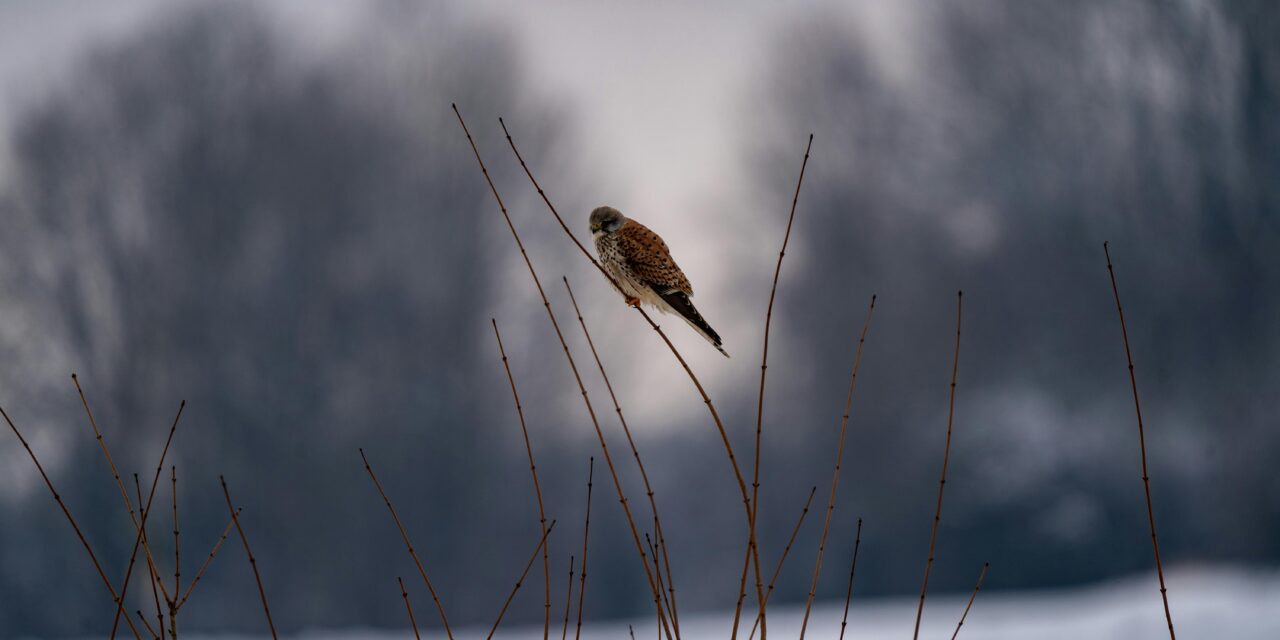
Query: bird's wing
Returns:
{"type": "Point", "coordinates": [649, 259]}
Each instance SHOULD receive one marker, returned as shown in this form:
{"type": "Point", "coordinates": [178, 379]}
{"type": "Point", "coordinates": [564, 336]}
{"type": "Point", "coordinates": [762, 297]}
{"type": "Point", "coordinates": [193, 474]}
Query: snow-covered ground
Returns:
{"type": "Point", "coordinates": [1208, 603]}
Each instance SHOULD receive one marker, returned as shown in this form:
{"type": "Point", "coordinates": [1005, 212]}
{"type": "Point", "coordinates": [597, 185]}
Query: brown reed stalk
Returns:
{"type": "Point", "coordinates": [225, 532]}
{"type": "Point", "coordinates": [124, 586]}
{"type": "Point", "coordinates": [635, 534]}
{"type": "Point", "coordinates": [1142, 443]}
{"type": "Point", "coordinates": [977, 587]}
{"type": "Point", "coordinates": [635, 452]}
{"type": "Point", "coordinates": [764, 366]}
{"type": "Point", "coordinates": [537, 488]}
{"type": "Point", "coordinates": [658, 572]}
{"type": "Point", "coordinates": [147, 624]}
{"type": "Point", "coordinates": [116, 598]}
{"type": "Point", "coordinates": [404, 535]}
{"type": "Point", "coordinates": [568, 601]}
{"type": "Point", "coordinates": [632, 632]}
{"type": "Point", "coordinates": [586, 530]}
{"type": "Point", "coordinates": [706, 399]}
{"type": "Point", "coordinates": [177, 564]}
{"type": "Point", "coordinates": [140, 538]}
{"type": "Point", "coordinates": [128, 503]}
{"type": "Point", "coordinates": [835, 474]}
{"type": "Point", "coordinates": [778, 569]}
{"type": "Point", "coordinates": [143, 533]}
{"type": "Point", "coordinates": [253, 563]}
{"type": "Point", "coordinates": [412, 621]}
{"type": "Point", "coordinates": [946, 458]}
{"type": "Point", "coordinates": [541, 543]}
{"type": "Point", "coordinates": [853, 567]}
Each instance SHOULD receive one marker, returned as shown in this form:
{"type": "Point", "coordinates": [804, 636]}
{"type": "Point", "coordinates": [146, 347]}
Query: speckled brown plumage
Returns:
{"type": "Point", "coordinates": [640, 262]}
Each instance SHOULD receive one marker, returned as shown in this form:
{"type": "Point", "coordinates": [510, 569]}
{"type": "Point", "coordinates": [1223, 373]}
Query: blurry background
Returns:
{"type": "Point", "coordinates": [269, 210]}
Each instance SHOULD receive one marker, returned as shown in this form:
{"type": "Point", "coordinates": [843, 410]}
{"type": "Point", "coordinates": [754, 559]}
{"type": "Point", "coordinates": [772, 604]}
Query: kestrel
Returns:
{"type": "Point", "coordinates": [642, 266]}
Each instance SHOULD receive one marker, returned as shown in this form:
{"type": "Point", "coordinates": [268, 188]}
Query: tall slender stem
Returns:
{"type": "Point", "coordinates": [1142, 444]}
{"type": "Point", "coordinates": [537, 487]}
{"type": "Point", "coordinates": [946, 458]}
{"type": "Point", "coordinates": [835, 474]}
{"type": "Point", "coordinates": [853, 567]}
{"type": "Point", "coordinates": [404, 535]}
{"type": "Point", "coordinates": [253, 562]}
{"type": "Point", "coordinates": [764, 366]}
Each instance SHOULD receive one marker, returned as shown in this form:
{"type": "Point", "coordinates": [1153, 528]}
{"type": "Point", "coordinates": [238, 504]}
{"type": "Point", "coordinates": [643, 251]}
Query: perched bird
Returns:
{"type": "Point", "coordinates": [642, 266]}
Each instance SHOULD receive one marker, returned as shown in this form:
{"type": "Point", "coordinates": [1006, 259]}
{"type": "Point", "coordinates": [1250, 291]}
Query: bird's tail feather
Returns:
{"type": "Point", "coordinates": [680, 303]}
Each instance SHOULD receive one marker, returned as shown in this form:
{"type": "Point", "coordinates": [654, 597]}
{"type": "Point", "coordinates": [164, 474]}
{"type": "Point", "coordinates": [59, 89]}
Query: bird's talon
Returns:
{"type": "Point", "coordinates": [633, 301]}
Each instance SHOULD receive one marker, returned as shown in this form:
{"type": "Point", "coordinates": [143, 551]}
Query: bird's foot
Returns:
{"type": "Point", "coordinates": [633, 301]}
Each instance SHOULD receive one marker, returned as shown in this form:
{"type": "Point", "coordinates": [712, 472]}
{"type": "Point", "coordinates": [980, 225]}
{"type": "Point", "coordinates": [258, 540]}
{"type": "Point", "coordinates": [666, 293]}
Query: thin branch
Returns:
{"type": "Point", "coordinates": [128, 503]}
{"type": "Point", "coordinates": [764, 366]}
{"type": "Point", "coordinates": [706, 399]}
{"type": "Point", "coordinates": [635, 452]}
{"type": "Point", "coordinates": [835, 474]}
{"type": "Point", "coordinates": [147, 624]}
{"type": "Point", "coordinates": [177, 563]}
{"type": "Point", "coordinates": [223, 538]}
{"type": "Point", "coordinates": [404, 535]}
{"type": "Point", "coordinates": [116, 598]}
{"type": "Point", "coordinates": [658, 572]}
{"type": "Point", "coordinates": [140, 538]}
{"type": "Point", "coordinates": [412, 621]}
{"type": "Point", "coordinates": [853, 567]}
{"type": "Point", "coordinates": [537, 487]}
{"type": "Point", "coordinates": [778, 569]}
{"type": "Point", "coordinates": [568, 601]}
{"type": "Point", "coordinates": [541, 543]}
{"type": "Point", "coordinates": [253, 563]}
{"type": "Point", "coordinates": [155, 596]}
{"type": "Point", "coordinates": [1142, 444]}
{"type": "Point", "coordinates": [946, 458]}
{"type": "Point", "coordinates": [977, 587]}
{"type": "Point", "coordinates": [586, 531]}
{"type": "Point", "coordinates": [626, 508]}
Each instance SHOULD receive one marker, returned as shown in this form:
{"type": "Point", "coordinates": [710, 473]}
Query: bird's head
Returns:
{"type": "Point", "coordinates": [606, 220]}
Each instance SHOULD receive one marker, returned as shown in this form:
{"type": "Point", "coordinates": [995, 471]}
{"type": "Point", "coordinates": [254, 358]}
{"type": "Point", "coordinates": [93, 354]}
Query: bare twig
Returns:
{"type": "Point", "coordinates": [128, 503]}
{"type": "Point", "coordinates": [568, 601]}
{"type": "Point", "coordinates": [147, 624]}
{"type": "Point", "coordinates": [657, 569]}
{"type": "Point", "coordinates": [404, 535]}
{"type": "Point", "coordinates": [977, 587]}
{"type": "Point", "coordinates": [541, 542]}
{"type": "Point", "coordinates": [635, 534]}
{"type": "Point", "coordinates": [764, 365]}
{"type": "Point", "coordinates": [155, 596]}
{"type": "Point", "coordinates": [140, 538]}
{"type": "Point", "coordinates": [946, 458]}
{"type": "Point", "coordinates": [537, 488]}
{"type": "Point", "coordinates": [116, 598]}
{"type": "Point", "coordinates": [177, 564]}
{"type": "Point", "coordinates": [853, 567]}
{"type": "Point", "coordinates": [635, 452]}
{"type": "Point", "coordinates": [835, 475]}
{"type": "Point", "coordinates": [706, 399]}
{"type": "Point", "coordinates": [253, 563]}
{"type": "Point", "coordinates": [778, 569]}
{"type": "Point", "coordinates": [177, 559]}
{"type": "Point", "coordinates": [221, 539]}
{"type": "Point", "coordinates": [412, 621]}
{"type": "Point", "coordinates": [586, 531]}
{"type": "Point", "coordinates": [1142, 444]}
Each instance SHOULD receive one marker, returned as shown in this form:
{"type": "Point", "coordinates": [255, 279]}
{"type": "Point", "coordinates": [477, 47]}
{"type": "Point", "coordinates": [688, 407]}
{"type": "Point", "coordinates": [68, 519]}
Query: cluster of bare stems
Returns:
{"type": "Point", "coordinates": [650, 541]}
{"type": "Point", "coordinates": [168, 598]}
